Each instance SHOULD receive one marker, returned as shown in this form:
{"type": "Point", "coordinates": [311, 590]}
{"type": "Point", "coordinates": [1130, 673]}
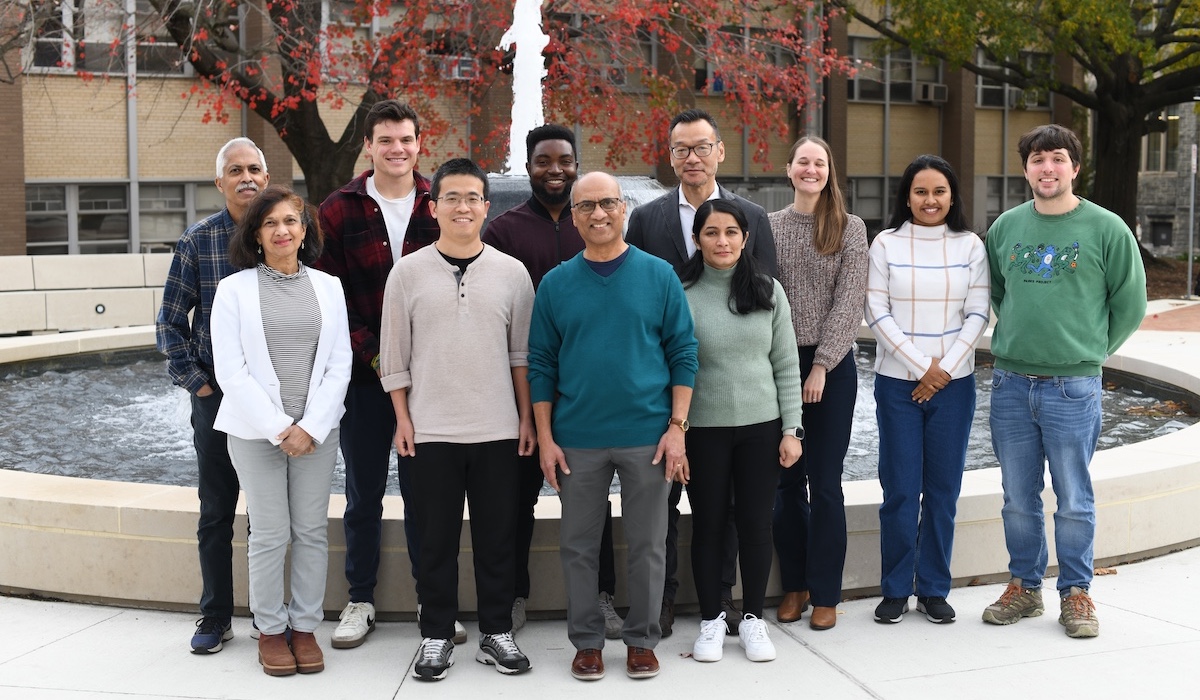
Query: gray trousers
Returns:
{"type": "Point", "coordinates": [289, 497]}
{"type": "Point", "coordinates": [584, 495]}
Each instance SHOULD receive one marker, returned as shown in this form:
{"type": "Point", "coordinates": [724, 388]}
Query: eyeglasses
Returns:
{"type": "Point", "coordinates": [453, 200]}
{"type": "Point", "coordinates": [608, 204]}
{"type": "Point", "coordinates": [701, 150]}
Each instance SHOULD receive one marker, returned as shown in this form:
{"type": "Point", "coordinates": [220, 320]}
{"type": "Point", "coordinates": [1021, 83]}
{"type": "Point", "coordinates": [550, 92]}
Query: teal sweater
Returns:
{"type": "Point", "coordinates": [749, 365]}
{"type": "Point", "coordinates": [611, 348]}
{"type": "Point", "coordinates": [1067, 289]}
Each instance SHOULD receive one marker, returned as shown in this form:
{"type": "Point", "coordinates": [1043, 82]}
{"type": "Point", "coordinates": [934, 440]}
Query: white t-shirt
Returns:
{"type": "Point", "coordinates": [687, 218]}
{"type": "Point", "coordinates": [396, 214]}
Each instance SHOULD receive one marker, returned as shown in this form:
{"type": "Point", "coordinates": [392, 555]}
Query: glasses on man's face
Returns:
{"type": "Point", "coordinates": [587, 206]}
{"type": "Point", "coordinates": [453, 200]}
{"type": "Point", "coordinates": [702, 150]}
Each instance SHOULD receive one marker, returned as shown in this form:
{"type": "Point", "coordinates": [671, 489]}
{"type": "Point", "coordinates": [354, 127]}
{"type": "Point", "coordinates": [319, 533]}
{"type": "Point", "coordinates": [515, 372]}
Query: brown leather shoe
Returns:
{"type": "Point", "coordinates": [309, 658]}
{"type": "Point", "coordinates": [588, 665]}
{"type": "Point", "coordinates": [275, 656]}
{"type": "Point", "coordinates": [822, 618]}
{"type": "Point", "coordinates": [640, 663]}
{"type": "Point", "coordinates": [792, 606]}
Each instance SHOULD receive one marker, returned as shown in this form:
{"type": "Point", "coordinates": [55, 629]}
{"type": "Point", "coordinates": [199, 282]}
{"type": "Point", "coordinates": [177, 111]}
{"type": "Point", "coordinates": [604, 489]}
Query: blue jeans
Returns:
{"type": "Point", "coordinates": [218, 491]}
{"type": "Point", "coordinates": [922, 453]}
{"type": "Point", "coordinates": [1034, 421]}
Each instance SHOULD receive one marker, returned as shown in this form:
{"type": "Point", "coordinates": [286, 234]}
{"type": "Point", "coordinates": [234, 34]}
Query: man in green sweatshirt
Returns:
{"type": "Point", "coordinates": [1068, 288]}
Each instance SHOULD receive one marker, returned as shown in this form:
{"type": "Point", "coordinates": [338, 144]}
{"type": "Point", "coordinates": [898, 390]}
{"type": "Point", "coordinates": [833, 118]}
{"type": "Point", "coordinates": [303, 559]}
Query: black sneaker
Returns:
{"type": "Point", "coordinates": [666, 618]}
{"type": "Point", "coordinates": [211, 633]}
{"type": "Point", "coordinates": [501, 651]}
{"type": "Point", "coordinates": [436, 657]}
{"type": "Point", "coordinates": [936, 609]}
{"type": "Point", "coordinates": [733, 616]}
{"type": "Point", "coordinates": [891, 610]}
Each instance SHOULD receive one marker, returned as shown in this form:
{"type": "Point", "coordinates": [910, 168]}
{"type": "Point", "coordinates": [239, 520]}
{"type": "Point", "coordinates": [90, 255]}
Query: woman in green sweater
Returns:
{"type": "Point", "coordinates": [744, 419]}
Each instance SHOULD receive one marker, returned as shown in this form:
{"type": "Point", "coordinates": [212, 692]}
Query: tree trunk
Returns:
{"type": "Point", "coordinates": [1118, 146]}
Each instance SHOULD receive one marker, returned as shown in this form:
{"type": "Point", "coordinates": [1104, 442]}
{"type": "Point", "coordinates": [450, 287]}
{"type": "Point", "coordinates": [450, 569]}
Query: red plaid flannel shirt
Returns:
{"type": "Point", "coordinates": [358, 253]}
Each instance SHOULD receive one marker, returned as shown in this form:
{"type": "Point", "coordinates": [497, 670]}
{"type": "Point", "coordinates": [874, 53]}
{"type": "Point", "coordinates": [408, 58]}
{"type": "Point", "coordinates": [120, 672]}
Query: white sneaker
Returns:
{"type": "Point", "coordinates": [709, 645]}
{"type": "Point", "coordinates": [518, 613]}
{"type": "Point", "coordinates": [460, 632]}
{"type": "Point", "coordinates": [357, 621]}
{"type": "Point", "coordinates": [753, 636]}
{"type": "Point", "coordinates": [613, 624]}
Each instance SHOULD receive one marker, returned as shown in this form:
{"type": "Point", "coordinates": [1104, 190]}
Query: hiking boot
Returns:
{"type": "Point", "coordinates": [501, 651]}
{"type": "Point", "coordinates": [518, 613]}
{"type": "Point", "coordinates": [210, 634]}
{"type": "Point", "coordinates": [1014, 603]}
{"type": "Point", "coordinates": [436, 657]}
{"type": "Point", "coordinates": [309, 658]}
{"type": "Point", "coordinates": [891, 610]}
{"type": "Point", "coordinates": [275, 655]}
{"type": "Point", "coordinates": [936, 609]}
{"type": "Point", "coordinates": [612, 621]}
{"type": "Point", "coordinates": [1078, 614]}
{"type": "Point", "coordinates": [709, 645]}
{"type": "Point", "coordinates": [754, 638]}
{"type": "Point", "coordinates": [357, 621]}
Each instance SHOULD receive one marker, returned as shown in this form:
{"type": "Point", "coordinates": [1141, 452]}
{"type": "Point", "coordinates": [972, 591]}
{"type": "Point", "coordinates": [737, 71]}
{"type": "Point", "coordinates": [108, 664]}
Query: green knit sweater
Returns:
{"type": "Point", "coordinates": [749, 366]}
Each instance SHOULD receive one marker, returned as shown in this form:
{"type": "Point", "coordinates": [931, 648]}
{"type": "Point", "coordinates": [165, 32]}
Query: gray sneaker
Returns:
{"type": "Point", "coordinates": [518, 613]}
{"type": "Point", "coordinates": [613, 624]}
{"type": "Point", "coordinates": [500, 650]}
{"type": "Point", "coordinates": [1014, 603]}
{"type": "Point", "coordinates": [435, 658]}
{"type": "Point", "coordinates": [1078, 614]}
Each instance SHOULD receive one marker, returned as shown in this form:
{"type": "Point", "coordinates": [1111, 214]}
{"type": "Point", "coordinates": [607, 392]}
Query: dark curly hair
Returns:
{"type": "Point", "coordinates": [244, 250]}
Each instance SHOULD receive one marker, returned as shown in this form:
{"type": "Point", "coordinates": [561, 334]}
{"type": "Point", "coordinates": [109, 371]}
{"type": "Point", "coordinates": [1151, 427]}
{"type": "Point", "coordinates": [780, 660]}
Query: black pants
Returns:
{"type": "Point", "coordinates": [729, 562]}
{"type": "Point", "coordinates": [486, 473]}
{"type": "Point", "coordinates": [742, 464]}
{"type": "Point", "coordinates": [218, 492]}
{"type": "Point", "coordinates": [810, 512]}
{"type": "Point", "coordinates": [531, 481]}
{"type": "Point", "coordinates": [366, 441]}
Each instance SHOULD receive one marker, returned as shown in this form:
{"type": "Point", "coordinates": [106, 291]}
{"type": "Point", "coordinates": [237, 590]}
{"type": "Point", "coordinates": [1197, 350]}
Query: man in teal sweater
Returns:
{"type": "Point", "coordinates": [1068, 288]}
{"type": "Point", "coordinates": [612, 363]}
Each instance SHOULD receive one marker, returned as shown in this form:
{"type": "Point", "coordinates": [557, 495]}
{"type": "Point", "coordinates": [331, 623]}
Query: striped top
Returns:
{"type": "Point", "coordinates": [927, 297]}
{"type": "Point", "coordinates": [291, 325]}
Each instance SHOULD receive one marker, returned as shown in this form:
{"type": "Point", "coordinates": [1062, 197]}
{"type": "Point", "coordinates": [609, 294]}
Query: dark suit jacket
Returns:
{"type": "Point", "coordinates": [654, 227]}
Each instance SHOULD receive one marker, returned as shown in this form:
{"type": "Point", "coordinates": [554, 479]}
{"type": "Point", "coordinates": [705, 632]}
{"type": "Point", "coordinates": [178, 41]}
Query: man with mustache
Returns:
{"type": "Point", "coordinates": [201, 261]}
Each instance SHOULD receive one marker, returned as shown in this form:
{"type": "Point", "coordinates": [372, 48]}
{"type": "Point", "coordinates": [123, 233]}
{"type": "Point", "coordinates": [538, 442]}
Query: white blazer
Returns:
{"type": "Point", "coordinates": [252, 408]}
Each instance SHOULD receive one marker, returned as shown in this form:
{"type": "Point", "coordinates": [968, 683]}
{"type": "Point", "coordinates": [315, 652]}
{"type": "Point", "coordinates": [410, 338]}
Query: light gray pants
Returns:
{"type": "Point", "coordinates": [584, 495]}
{"type": "Point", "coordinates": [289, 497]}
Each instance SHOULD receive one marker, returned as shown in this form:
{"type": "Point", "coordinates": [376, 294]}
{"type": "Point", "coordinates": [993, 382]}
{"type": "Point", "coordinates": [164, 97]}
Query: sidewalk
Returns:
{"type": "Point", "coordinates": [1148, 647]}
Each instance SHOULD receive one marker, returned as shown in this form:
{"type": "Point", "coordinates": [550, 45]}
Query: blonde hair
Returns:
{"type": "Point", "coordinates": [830, 212]}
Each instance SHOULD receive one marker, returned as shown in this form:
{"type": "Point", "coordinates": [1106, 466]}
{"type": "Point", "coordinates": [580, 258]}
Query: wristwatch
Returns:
{"type": "Point", "coordinates": [797, 432]}
{"type": "Point", "coordinates": [682, 423]}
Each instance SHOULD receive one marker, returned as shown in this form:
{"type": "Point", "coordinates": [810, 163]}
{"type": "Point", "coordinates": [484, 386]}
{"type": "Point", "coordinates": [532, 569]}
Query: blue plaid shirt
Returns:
{"type": "Point", "coordinates": [201, 261]}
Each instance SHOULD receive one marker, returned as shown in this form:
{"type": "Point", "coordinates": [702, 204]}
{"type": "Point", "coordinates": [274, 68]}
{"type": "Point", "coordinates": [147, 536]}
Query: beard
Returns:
{"type": "Point", "coordinates": [551, 198]}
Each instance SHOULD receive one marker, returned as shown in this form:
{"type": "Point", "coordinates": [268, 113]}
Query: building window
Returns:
{"type": "Point", "coordinates": [157, 52]}
{"type": "Point", "coordinates": [162, 211]}
{"type": "Point", "coordinates": [46, 221]}
{"type": "Point", "coordinates": [1004, 193]}
{"type": "Point", "coordinates": [1160, 233]}
{"type": "Point", "coordinates": [1160, 149]}
{"type": "Point", "coordinates": [103, 218]}
{"type": "Point", "coordinates": [53, 42]}
{"type": "Point", "coordinates": [992, 93]}
{"type": "Point", "coordinates": [893, 75]}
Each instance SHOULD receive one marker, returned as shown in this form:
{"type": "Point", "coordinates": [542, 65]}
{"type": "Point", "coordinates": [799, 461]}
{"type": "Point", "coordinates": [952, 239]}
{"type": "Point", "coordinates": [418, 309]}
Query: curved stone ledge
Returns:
{"type": "Point", "coordinates": [134, 544]}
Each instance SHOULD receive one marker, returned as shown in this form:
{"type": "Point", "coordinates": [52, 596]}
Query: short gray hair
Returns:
{"type": "Point", "coordinates": [223, 154]}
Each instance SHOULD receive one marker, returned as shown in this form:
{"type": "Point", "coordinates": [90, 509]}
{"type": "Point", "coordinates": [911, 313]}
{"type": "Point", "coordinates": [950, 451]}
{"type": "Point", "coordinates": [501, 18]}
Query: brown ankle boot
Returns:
{"type": "Point", "coordinates": [275, 656]}
{"type": "Point", "coordinates": [309, 658]}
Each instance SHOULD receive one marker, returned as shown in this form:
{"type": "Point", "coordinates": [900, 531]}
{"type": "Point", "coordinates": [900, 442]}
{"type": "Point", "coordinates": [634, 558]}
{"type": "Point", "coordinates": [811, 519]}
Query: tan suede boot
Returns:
{"type": "Point", "coordinates": [275, 656]}
{"type": "Point", "coordinates": [309, 658]}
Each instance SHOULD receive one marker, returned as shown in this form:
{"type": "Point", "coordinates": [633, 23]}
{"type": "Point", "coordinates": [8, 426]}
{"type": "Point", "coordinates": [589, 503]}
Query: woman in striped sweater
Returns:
{"type": "Point", "coordinates": [281, 349]}
{"type": "Point", "coordinates": [927, 304]}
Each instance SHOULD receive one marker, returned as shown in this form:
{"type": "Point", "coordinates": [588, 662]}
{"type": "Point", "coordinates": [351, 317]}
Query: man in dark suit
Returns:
{"type": "Point", "coordinates": [664, 229]}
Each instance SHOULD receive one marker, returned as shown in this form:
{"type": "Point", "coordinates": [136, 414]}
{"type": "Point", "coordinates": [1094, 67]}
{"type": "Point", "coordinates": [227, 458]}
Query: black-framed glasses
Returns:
{"type": "Point", "coordinates": [587, 206]}
{"type": "Point", "coordinates": [453, 200]}
{"type": "Point", "coordinates": [702, 150]}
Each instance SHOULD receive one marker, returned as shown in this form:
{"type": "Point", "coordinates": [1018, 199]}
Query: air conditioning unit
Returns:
{"type": "Point", "coordinates": [932, 92]}
{"type": "Point", "coordinates": [458, 68]}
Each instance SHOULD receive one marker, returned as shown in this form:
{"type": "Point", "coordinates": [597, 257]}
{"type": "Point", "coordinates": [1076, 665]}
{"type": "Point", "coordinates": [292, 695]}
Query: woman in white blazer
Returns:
{"type": "Point", "coordinates": [281, 347]}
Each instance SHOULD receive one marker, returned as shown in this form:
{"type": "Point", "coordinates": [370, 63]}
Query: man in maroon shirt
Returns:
{"type": "Point", "coordinates": [370, 223]}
